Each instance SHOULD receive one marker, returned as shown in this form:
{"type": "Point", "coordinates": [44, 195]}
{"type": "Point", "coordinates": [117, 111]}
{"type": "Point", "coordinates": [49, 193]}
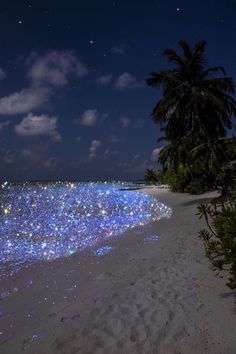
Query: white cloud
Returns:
{"type": "Point", "coordinates": [51, 162]}
{"type": "Point", "coordinates": [124, 121]}
{"type": "Point", "coordinates": [155, 154]}
{"type": "Point", "coordinates": [38, 158]}
{"type": "Point", "coordinates": [23, 101]}
{"type": "Point", "coordinates": [95, 145]}
{"type": "Point", "coordinates": [109, 153]}
{"type": "Point", "coordinates": [42, 125]}
{"type": "Point", "coordinates": [120, 49]}
{"type": "Point", "coordinates": [3, 75]}
{"type": "Point", "coordinates": [54, 68]}
{"type": "Point", "coordinates": [46, 73]}
{"type": "Point", "coordinates": [28, 154]}
{"type": "Point", "coordinates": [89, 117]}
{"type": "Point", "coordinates": [127, 81]}
{"type": "Point", "coordinates": [104, 80]}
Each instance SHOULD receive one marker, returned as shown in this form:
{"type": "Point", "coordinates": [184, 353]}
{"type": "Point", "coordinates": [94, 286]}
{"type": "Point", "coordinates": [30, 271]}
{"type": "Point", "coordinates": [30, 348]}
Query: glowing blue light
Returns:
{"type": "Point", "coordinates": [102, 251]}
{"type": "Point", "coordinates": [151, 238]}
{"type": "Point", "coordinates": [48, 221]}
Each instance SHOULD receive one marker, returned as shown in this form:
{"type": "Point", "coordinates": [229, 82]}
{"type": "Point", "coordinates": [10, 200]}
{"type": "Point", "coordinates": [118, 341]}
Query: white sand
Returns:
{"type": "Point", "coordinates": [142, 298]}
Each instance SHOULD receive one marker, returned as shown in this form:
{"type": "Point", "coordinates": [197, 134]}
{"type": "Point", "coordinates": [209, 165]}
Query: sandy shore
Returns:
{"type": "Point", "coordinates": [141, 298]}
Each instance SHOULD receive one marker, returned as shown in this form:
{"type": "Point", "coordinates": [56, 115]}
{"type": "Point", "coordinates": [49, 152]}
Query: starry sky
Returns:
{"type": "Point", "coordinates": [73, 99]}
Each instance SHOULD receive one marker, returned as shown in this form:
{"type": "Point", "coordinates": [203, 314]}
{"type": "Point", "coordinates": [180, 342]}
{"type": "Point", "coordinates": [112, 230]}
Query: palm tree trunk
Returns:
{"type": "Point", "coordinates": [187, 161]}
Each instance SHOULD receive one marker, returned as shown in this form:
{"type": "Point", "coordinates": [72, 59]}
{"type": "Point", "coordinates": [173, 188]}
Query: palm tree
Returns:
{"type": "Point", "coordinates": [196, 99]}
{"type": "Point", "coordinates": [151, 176]}
{"type": "Point", "coordinates": [176, 153]}
{"type": "Point", "coordinates": [213, 154]}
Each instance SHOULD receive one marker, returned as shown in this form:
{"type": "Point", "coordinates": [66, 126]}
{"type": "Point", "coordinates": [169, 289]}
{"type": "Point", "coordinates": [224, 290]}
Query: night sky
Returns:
{"type": "Point", "coordinates": [73, 101]}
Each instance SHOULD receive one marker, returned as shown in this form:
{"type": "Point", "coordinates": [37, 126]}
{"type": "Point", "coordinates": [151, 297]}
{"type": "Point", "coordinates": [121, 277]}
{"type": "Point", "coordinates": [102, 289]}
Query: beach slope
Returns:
{"type": "Point", "coordinates": [144, 297]}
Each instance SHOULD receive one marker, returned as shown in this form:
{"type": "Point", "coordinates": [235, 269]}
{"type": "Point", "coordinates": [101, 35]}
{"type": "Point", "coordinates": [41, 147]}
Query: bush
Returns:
{"type": "Point", "coordinates": [226, 178]}
{"type": "Point", "coordinates": [197, 186]}
{"type": "Point", "coordinates": [176, 180]}
{"type": "Point", "coordinates": [151, 177]}
{"type": "Point", "coordinates": [220, 238]}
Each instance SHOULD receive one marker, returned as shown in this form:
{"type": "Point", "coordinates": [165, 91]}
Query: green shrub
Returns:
{"type": "Point", "coordinates": [197, 186]}
{"type": "Point", "coordinates": [167, 177]}
{"type": "Point", "coordinates": [220, 238]}
{"type": "Point", "coordinates": [180, 182]}
{"type": "Point", "coordinates": [226, 178]}
{"type": "Point", "coordinates": [151, 177]}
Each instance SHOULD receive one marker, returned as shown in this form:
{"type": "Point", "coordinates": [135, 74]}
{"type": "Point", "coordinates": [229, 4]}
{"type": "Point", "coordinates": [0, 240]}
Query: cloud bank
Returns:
{"type": "Point", "coordinates": [95, 145]}
{"type": "Point", "coordinates": [46, 74]}
{"type": "Point", "coordinates": [127, 81]}
{"type": "Point", "coordinates": [89, 117]}
{"type": "Point", "coordinates": [55, 68]}
{"type": "Point", "coordinates": [104, 80]}
{"type": "Point", "coordinates": [42, 125]}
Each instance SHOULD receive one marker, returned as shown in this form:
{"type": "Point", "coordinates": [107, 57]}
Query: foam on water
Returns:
{"type": "Point", "coordinates": [47, 221]}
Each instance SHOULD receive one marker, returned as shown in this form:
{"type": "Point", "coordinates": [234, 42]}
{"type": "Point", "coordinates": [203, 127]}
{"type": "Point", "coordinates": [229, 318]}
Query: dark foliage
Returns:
{"type": "Point", "coordinates": [195, 112]}
{"type": "Point", "coordinates": [220, 238]}
{"type": "Point", "coordinates": [151, 176]}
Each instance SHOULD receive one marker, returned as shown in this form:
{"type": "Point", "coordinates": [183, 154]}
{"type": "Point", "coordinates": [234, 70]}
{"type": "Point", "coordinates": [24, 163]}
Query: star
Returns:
{"type": "Point", "coordinates": [20, 22]}
{"type": "Point", "coordinates": [91, 41]}
{"type": "Point", "coordinates": [178, 9]}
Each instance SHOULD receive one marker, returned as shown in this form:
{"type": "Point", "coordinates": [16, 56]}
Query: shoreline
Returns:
{"type": "Point", "coordinates": [142, 297]}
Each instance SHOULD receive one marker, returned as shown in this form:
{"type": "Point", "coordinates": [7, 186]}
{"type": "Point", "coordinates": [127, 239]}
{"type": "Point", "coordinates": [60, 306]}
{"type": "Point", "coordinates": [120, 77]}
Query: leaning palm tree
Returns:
{"type": "Point", "coordinates": [196, 99]}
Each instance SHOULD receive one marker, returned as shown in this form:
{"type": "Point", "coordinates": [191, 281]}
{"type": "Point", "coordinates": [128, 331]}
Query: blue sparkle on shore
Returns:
{"type": "Point", "coordinates": [102, 251]}
{"type": "Point", "coordinates": [48, 221]}
{"type": "Point", "coordinates": [151, 238]}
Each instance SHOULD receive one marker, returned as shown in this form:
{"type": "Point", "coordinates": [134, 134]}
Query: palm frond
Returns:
{"type": "Point", "coordinates": [186, 49]}
{"type": "Point", "coordinates": [214, 69]}
{"type": "Point", "coordinates": [173, 56]}
{"type": "Point", "coordinates": [200, 48]}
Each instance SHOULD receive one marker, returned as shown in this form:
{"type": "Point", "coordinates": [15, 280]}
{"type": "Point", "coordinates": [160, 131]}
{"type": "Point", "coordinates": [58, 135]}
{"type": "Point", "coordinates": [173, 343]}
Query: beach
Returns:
{"type": "Point", "coordinates": [154, 292]}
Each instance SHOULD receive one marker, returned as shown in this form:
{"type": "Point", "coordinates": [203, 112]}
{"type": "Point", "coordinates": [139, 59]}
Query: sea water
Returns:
{"type": "Point", "coordinates": [45, 221]}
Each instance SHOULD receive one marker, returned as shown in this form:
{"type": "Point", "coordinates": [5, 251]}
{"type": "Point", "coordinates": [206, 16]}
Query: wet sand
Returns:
{"type": "Point", "coordinates": [148, 295]}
